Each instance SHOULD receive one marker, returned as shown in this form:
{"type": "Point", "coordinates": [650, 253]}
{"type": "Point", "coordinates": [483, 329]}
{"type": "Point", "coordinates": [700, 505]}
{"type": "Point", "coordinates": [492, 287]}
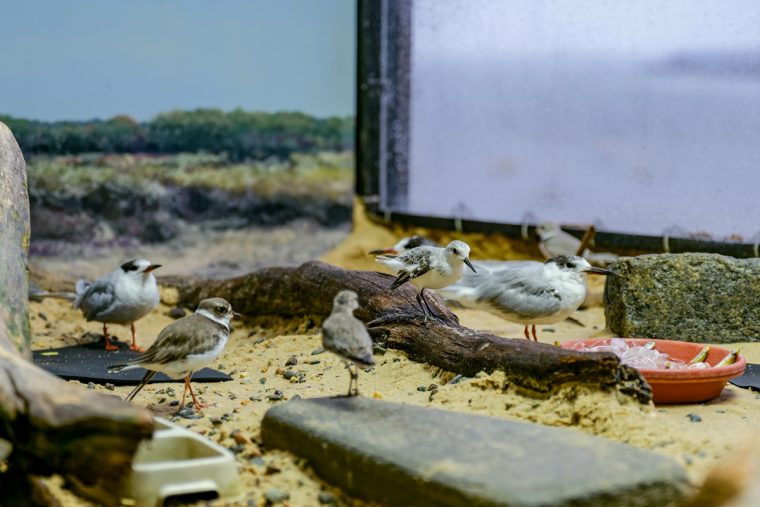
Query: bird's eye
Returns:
{"type": "Point", "coordinates": [456, 252]}
{"type": "Point", "coordinates": [569, 265]}
{"type": "Point", "coordinates": [221, 309]}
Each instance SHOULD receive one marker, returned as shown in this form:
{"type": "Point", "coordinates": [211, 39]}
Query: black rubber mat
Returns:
{"type": "Point", "coordinates": [750, 379]}
{"type": "Point", "coordinates": [89, 362]}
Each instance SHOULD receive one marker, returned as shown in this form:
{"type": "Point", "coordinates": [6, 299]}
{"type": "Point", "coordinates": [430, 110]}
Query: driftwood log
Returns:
{"type": "Point", "coordinates": [395, 321]}
{"type": "Point", "coordinates": [49, 426]}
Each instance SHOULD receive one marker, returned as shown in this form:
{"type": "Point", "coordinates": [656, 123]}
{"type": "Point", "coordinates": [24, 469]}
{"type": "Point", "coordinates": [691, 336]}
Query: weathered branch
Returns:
{"type": "Point", "coordinates": [395, 320]}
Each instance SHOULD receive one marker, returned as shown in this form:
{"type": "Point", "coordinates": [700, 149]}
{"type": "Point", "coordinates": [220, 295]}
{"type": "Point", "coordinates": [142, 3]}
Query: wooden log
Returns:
{"type": "Point", "coordinates": [53, 427]}
{"type": "Point", "coordinates": [394, 320]}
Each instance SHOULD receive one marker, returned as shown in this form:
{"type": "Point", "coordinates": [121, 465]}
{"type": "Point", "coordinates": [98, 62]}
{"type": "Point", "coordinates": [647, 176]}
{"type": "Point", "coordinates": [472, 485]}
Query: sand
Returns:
{"type": "Point", "coordinates": [256, 358]}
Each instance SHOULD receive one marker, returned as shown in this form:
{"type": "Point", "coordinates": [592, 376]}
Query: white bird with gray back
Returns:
{"type": "Point", "coordinates": [429, 267]}
{"type": "Point", "coordinates": [345, 335]}
{"type": "Point", "coordinates": [530, 293]}
{"type": "Point", "coordinates": [122, 297]}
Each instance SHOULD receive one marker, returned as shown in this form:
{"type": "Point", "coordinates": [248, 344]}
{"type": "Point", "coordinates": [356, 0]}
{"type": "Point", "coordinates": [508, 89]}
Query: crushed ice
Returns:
{"type": "Point", "coordinates": [640, 356]}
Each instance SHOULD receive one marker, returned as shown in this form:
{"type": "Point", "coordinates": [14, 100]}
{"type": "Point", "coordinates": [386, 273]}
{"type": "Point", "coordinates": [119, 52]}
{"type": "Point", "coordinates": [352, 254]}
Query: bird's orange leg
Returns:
{"type": "Point", "coordinates": [535, 338]}
{"type": "Point", "coordinates": [109, 345]}
{"type": "Point", "coordinates": [197, 404]}
{"type": "Point", "coordinates": [184, 393]}
{"type": "Point", "coordinates": [134, 343]}
{"type": "Point", "coordinates": [527, 333]}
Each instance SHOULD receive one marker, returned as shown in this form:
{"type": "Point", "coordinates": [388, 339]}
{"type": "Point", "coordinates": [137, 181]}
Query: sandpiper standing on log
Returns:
{"type": "Point", "coordinates": [529, 293]}
{"type": "Point", "coordinates": [345, 335]}
{"type": "Point", "coordinates": [404, 245]}
{"type": "Point", "coordinates": [185, 346]}
{"type": "Point", "coordinates": [429, 267]}
{"type": "Point", "coordinates": [121, 297]}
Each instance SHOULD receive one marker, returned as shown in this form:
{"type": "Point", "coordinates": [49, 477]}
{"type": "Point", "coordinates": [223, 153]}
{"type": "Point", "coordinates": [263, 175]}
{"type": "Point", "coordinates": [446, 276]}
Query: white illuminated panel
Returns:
{"type": "Point", "coordinates": [641, 117]}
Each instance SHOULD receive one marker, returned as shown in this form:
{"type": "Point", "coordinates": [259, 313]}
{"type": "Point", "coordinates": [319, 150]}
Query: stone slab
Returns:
{"type": "Point", "coordinates": [695, 297]}
{"type": "Point", "coordinates": [408, 455]}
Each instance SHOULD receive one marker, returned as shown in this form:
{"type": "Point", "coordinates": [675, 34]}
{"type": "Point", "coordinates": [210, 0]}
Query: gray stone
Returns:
{"type": "Point", "coordinates": [274, 496]}
{"type": "Point", "coordinates": [14, 243]}
{"type": "Point", "coordinates": [407, 455]}
{"type": "Point", "coordinates": [693, 297]}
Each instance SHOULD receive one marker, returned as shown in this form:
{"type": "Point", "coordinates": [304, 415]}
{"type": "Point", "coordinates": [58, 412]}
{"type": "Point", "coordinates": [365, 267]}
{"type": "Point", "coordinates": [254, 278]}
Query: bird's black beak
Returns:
{"type": "Point", "coordinates": [236, 315]}
{"type": "Point", "coordinates": [151, 268]}
{"type": "Point", "coordinates": [469, 265]}
{"type": "Point", "coordinates": [384, 251]}
{"type": "Point", "coordinates": [599, 271]}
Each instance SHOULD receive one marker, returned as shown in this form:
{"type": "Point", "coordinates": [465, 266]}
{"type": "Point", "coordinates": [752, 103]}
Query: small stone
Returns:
{"type": "Point", "coordinates": [239, 438]}
{"type": "Point", "coordinates": [220, 366]}
{"type": "Point", "coordinates": [369, 369]}
{"type": "Point", "coordinates": [396, 359]}
{"type": "Point", "coordinates": [232, 396]}
{"type": "Point", "coordinates": [276, 395]}
{"type": "Point", "coordinates": [720, 411]}
{"type": "Point", "coordinates": [247, 381]}
{"type": "Point", "coordinates": [292, 360]}
{"type": "Point", "coordinates": [457, 379]}
{"type": "Point", "coordinates": [315, 361]}
{"type": "Point", "coordinates": [188, 413]}
{"type": "Point", "coordinates": [289, 374]}
{"type": "Point", "coordinates": [42, 316]}
{"type": "Point", "coordinates": [326, 498]}
{"type": "Point", "coordinates": [237, 449]}
{"type": "Point", "coordinates": [694, 418]}
{"type": "Point", "coordinates": [90, 385]}
{"type": "Point", "coordinates": [110, 386]}
{"type": "Point", "coordinates": [174, 403]}
{"type": "Point", "coordinates": [379, 350]}
{"type": "Point", "coordinates": [216, 421]}
{"type": "Point", "coordinates": [271, 470]}
{"type": "Point", "coordinates": [275, 495]}
{"type": "Point", "coordinates": [317, 351]}
{"type": "Point", "coordinates": [170, 391]}
{"type": "Point", "coordinates": [259, 340]}
{"type": "Point", "coordinates": [548, 330]}
{"type": "Point", "coordinates": [422, 388]}
{"type": "Point", "coordinates": [177, 312]}
{"type": "Point", "coordinates": [257, 461]}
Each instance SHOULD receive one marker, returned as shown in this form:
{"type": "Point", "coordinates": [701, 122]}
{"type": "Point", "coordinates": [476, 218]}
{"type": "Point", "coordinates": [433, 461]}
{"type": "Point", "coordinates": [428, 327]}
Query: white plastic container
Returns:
{"type": "Point", "coordinates": [179, 462]}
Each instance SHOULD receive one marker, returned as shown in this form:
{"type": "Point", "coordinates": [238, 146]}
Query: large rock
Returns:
{"type": "Point", "coordinates": [14, 242]}
{"type": "Point", "coordinates": [408, 455]}
{"type": "Point", "coordinates": [693, 296]}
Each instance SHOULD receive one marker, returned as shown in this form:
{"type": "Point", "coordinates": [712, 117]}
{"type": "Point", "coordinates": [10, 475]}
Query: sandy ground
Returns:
{"type": "Point", "coordinates": [256, 360]}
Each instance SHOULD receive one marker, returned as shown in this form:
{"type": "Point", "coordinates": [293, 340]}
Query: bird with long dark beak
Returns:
{"type": "Point", "coordinates": [429, 267]}
{"type": "Point", "coordinates": [404, 245]}
{"type": "Point", "coordinates": [528, 293]}
{"type": "Point", "coordinates": [122, 297]}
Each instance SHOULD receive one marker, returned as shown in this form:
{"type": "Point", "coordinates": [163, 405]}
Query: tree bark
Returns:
{"type": "Point", "coordinates": [395, 320]}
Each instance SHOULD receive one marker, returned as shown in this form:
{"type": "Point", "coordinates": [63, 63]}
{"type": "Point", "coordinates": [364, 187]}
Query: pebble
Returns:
{"type": "Point", "coordinates": [369, 369]}
{"type": "Point", "coordinates": [379, 350]}
{"type": "Point", "coordinates": [170, 391]}
{"type": "Point", "coordinates": [259, 340]}
{"type": "Point", "coordinates": [247, 381]}
{"type": "Point", "coordinates": [276, 395]}
{"type": "Point", "coordinates": [188, 413]}
{"type": "Point", "coordinates": [315, 361]}
{"type": "Point", "coordinates": [110, 386]}
{"type": "Point", "coordinates": [292, 360]}
{"type": "Point", "coordinates": [42, 316]}
{"type": "Point", "coordinates": [257, 461]}
{"type": "Point", "coordinates": [548, 330]}
{"type": "Point", "coordinates": [317, 351]}
{"type": "Point", "coordinates": [694, 418]}
{"type": "Point", "coordinates": [275, 495]}
{"type": "Point", "coordinates": [237, 449]}
{"type": "Point", "coordinates": [457, 379]}
{"type": "Point", "coordinates": [289, 374]}
{"type": "Point", "coordinates": [174, 403]}
{"type": "Point", "coordinates": [91, 385]}
{"type": "Point", "coordinates": [263, 380]}
{"type": "Point", "coordinates": [326, 498]}
{"type": "Point", "coordinates": [216, 421]}
{"type": "Point", "coordinates": [239, 438]}
{"type": "Point", "coordinates": [422, 388]}
{"type": "Point", "coordinates": [177, 312]}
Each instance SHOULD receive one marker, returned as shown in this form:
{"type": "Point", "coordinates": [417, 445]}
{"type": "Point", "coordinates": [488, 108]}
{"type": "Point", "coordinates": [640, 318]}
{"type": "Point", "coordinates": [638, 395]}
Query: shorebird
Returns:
{"type": "Point", "coordinates": [530, 293]}
{"type": "Point", "coordinates": [404, 245]}
{"type": "Point", "coordinates": [554, 241]}
{"type": "Point", "coordinates": [121, 297]}
{"type": "Point", "coordinates": [345, 335]}
{"type": "Point", "coordinates": [185, 346]}
{"type": "Point", "coordinates": [429, 267]}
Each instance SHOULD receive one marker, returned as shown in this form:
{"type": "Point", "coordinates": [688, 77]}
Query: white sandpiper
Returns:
{"type": "Point", "coordinates": [529, 293]}
{"type": "Point", "coordinates": [429, 267]}
{"type": "Point", "coordinates": [120, 297]}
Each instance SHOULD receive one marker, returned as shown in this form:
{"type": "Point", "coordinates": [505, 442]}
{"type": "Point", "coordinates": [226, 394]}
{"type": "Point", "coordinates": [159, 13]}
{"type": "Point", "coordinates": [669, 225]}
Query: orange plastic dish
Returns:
{"type": "Point", "coordinates": [681, 386]}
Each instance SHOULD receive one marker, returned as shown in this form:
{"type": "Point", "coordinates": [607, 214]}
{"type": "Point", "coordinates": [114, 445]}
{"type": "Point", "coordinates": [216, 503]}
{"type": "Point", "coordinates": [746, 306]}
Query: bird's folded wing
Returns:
{"type": "Point", "coordinates": [97, 299]}
{"type": "Point", "coordinates": [177, 342]}
{"type": "Point", "coordinates": [349, 338]}
{"type": "Point", "coordinates": [523, 292]}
